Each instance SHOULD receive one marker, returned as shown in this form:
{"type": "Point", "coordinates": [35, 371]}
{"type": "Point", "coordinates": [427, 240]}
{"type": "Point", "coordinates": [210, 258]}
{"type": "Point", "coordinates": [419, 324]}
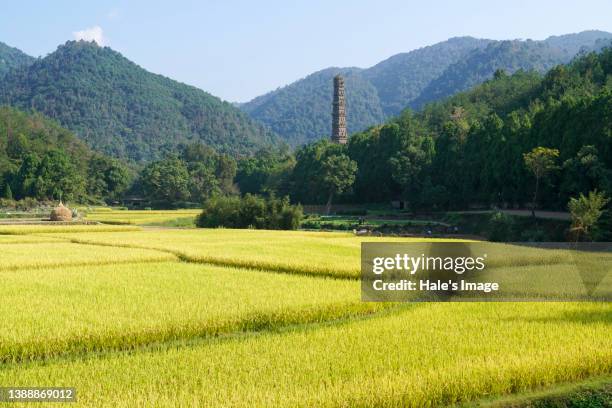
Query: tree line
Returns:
{"type": "Point", "coordinates": [42, 161]}
{"type": "Point", "coordinates": [521, 140]}
{"type": "Point", "coordinates": [515, 141]}
{"type": "Point", "coordinates": [469, 150]}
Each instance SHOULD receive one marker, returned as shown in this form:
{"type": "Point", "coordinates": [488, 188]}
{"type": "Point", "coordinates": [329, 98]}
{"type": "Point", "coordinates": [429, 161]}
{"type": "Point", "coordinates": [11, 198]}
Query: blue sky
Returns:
{"type": "Point", "coordinates": [240, 49]}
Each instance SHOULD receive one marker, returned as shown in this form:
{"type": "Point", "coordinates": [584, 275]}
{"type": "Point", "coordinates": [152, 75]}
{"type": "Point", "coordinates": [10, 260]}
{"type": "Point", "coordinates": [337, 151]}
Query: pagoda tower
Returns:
{"type": "Point", "coordinates": [339, 112]}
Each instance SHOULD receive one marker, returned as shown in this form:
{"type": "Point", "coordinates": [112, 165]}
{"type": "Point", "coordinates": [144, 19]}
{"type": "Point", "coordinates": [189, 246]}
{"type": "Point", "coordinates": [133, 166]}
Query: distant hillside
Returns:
{"type": "Point", "coordinates": [403, 77]}
{"type": "Point", "coordinates": [480, 65]}
{"type": "Point", "coordinates": [302, 108]}
{"type": "Point", "coordinates": [12, 58]}
{"type": "Point", "coordinates": [40, 159]}
{"type": "Point", "coordinates": [468, 149]}
{"type": "Point", "coordinates": [301, 111]}
{"type": "Point", "coordinates": [571, 44]}
{"type": "Point", "coordinates": [123, 110]}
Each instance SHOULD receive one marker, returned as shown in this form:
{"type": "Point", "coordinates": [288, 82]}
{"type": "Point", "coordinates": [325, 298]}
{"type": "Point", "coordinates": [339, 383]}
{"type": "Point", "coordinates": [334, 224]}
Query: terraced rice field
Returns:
{"type": "Point", "coordinates": [329, 254]}
{"type": "Point", "coordinates": [157, 317]}
{"type": "Point", "coordinates": [308, 253]}
{"type": "Point", "coordinates": [156, 302]}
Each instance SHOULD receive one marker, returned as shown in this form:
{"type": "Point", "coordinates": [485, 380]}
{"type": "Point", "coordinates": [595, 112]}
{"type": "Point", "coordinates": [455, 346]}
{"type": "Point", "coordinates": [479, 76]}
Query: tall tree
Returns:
{"type": "Point", "coordinates": [306, 183]}
{"type": "Point", "coordinates": [107, 177]}
{"type": "Point", "coordinates": [225, 172]}
{"type": "Point", "coordinates": [541, 162]}
{"type": "Point", "coordinates": [166, 180]}
{"type": "Point", "coordinates": [338, 176]}
{"type": "Point", "coordinates": [59, 178]}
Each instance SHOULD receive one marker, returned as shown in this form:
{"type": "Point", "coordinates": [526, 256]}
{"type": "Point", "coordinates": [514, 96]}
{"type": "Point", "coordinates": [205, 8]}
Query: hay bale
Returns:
{"type": "Point", "coordinates": [61, 213]}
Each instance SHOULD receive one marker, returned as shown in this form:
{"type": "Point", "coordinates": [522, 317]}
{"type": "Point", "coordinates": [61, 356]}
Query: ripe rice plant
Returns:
{"type": "Point", "coordinates": [308, 253]}
{"type": "Point", "coordinates": [424, 355]}
{"type": "Point", "coordinates": [164, 333]}
{"type": "Point", "coordinates": [30, 256]}
{"type": "Point", "coordinates": [25, 239]}
{"type": "Point", "coordinates": [50, 228]}
{"type": "Point", "coordinates": [49, 312]}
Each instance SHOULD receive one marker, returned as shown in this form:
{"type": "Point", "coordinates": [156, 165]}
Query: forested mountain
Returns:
{"type": "Point", "coordinates": [40, 159]}
{"type": "Point", "coordinates": [571, 44]}
{"type": "Point", "coordinates": [403, 77]}
{"type": "Point", "coordinates": [410, 80]}
{"type": "Point", "coordinates": [12, 58]}
{"type": "Point", "coordinates": [469, 149]}
{"type": "Point", "coordinates": [515, 141]}
{"type": "Point", "coordinates": [302, 108]}
{"type": "Point", "coordinates": [125, 111]}
{"type": "Point", "coordinates": [480, 64]}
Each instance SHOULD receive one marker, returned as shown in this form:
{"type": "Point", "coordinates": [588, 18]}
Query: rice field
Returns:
{"type": "Point", "coordinates": [332, 254]}
{"type": "Point", "coordinates": [31, 256]}
{"type": "Point", "coordinates": [320, 254]}
{"type": "Point", "coordinates": [63, 229]}
{"type": "Point", "coordinates": [142, 217]}
{"type": "Point", "coordinates": [161, 317]}
{"type": "Point", "coordinates": [398, 360]}
{"type": "Point", "coordinates": [146, 303]}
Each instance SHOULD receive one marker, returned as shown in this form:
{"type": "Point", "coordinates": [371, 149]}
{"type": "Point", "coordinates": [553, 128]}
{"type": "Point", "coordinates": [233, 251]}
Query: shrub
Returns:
{"type": "Point", "coordinates": [500, 227]}
{"type": "Point", "coordinates": [250, 211]}
{"type": "Point", "coordinates": [586, 212]}
{"type": "Point", "coordinates": [220, 211]}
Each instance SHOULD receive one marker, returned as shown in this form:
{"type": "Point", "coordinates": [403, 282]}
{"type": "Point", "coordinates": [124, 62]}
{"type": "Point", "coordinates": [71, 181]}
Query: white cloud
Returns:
{"type": "Point", "coordinates": [90, 34]}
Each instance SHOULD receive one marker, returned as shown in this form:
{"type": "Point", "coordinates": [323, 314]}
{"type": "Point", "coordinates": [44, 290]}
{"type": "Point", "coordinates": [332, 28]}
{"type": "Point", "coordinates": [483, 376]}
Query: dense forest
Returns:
{"type": "Point", "coordinates": [480, 64]}
{"type": "Point", "coordinates": [43, 161]}
{"type": "Point", "coordinates": [300, 111]}
{"type": "Point", "coordinates": [11, 58]}
{"type": "Point", "coordinates": [189, 178]}
{"type": "Point", "coordinates": [122, 110]}
{"type": "Point", "coordinates": [468, 150]}
{"type": "Point", "coordinates": [400, 79]}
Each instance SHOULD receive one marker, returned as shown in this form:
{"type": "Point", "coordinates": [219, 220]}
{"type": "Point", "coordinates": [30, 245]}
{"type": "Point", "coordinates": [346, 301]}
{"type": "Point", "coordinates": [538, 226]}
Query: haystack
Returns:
{"type": "Point", "coordinates": [61, 213]}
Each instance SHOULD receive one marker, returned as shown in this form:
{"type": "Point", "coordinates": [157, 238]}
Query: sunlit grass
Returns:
{"type": "Point", "coordinates": [334, 254]}
{"type": "Point", "coordinates": [24, 239]}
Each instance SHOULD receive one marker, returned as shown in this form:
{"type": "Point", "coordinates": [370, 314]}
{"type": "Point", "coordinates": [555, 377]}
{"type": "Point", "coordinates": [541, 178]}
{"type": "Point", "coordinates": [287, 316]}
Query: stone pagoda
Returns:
{"type": "Point", "coordinates": [339, 112]}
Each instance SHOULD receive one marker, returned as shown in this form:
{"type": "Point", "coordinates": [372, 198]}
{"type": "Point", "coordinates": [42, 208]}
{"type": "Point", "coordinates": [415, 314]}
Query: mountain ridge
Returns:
{"type": "Point", "coordinates": [11, 58]}
{"type": "Point", "coordinates": [414, 78]}
{"type": "Point", "coordinates": [121, 109]}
